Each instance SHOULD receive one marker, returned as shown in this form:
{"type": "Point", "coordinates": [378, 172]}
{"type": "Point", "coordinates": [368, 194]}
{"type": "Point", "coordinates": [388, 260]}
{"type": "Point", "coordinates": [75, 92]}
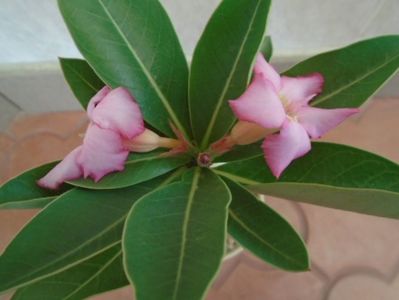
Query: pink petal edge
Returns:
{"type": "Point", "coordinates": [102, 153]}
{"type": "Point", "coordinates": [268, 71]}
{"type": "Point", "coordinates": [282, 148]}
{"type": "Point", "coordinates": [318, 121]}
{"type": "Point", "coordinates": [300, 90]}
{"type": "Point", "coordinates": [118, 111]}
{"type": "Point", "coordinates": [259, 104]}
{"type": "Point", "coordinates": [67, 169]}
{"type": "Point", "coordinates": [97, 98]}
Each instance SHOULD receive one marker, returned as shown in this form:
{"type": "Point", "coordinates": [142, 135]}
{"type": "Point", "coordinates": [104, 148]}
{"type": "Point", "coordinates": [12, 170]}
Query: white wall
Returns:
{"type": "Point", "coordinates": [300, 27]}
{"type": "Point", "coordinates": [32, 30]}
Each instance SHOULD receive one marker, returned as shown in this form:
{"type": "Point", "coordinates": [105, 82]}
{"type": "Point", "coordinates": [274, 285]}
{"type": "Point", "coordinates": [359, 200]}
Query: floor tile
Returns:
{"type": "Point", "coordinates": [353, 256]}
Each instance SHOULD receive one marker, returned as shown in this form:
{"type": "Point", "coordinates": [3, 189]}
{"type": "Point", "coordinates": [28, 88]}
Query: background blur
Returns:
{"type": "Point", "coordinates": [354, 256]}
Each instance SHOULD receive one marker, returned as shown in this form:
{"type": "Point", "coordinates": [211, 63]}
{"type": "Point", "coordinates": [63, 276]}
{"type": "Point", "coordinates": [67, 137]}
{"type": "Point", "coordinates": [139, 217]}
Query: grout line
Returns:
{"type": "Point", "coordinates": [9, 101]}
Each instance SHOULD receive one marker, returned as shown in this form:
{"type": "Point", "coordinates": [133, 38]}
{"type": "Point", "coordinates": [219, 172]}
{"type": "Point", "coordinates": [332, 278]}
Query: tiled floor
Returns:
{"type": "Point", "coordinates": [354, 256]}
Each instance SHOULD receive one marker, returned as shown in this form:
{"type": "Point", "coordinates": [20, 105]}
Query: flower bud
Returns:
{"type": "Point", "coordinates": [145, 142]}
{"type": "Point", "coordinates": [149, 140]}
{"type": "Point", "coordinates": [169, 143]}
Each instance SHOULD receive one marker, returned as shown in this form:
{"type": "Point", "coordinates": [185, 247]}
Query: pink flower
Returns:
{"type": "Point", "coordinates": [115, 117]}
{"type": "Point", "coordinates": [282, 103]}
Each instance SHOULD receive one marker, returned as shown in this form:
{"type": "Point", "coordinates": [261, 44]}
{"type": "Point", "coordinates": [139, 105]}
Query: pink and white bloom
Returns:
{"type": "Point", "coordinates": [282, 103]}
{"type": "Point", "coordinates": [114, 118]}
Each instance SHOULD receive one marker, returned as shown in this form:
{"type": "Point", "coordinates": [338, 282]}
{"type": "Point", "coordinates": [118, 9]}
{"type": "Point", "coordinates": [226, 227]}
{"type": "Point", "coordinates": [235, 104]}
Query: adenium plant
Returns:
{"type": "Point", "coordinates": [173, 159]}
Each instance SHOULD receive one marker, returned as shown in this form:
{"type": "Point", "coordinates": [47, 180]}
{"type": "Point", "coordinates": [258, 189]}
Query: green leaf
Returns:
{"type": "Point", "coordinates": [240, 153]}
{"type": "Point", "coordinates": [267, 47]}
{"type": "Point", "coordinates": [354, 73]}
{"type": "Point", "coordinates": [103, 272]}
{"type": "Point", "coordinates": [138, 168]}
{"type": "Point", "coordinates": [174, 238]}
{"type": "Point", "coordinates": [331, 175]}
{"type": "Point", "coordinates": [22, 191]}
{"type": "Point", "coordinates": [132, 43]}
{"type": "Point", "coordinates": [84, 82]}
{"type": "Point", "coordinates": [264, 232]}
{"type": "Point", "coordinates": [222, 63]}
{"type": "Point", "coordinates": [75, 227]}
{"type": "Point", "coordinates": [81, 78]}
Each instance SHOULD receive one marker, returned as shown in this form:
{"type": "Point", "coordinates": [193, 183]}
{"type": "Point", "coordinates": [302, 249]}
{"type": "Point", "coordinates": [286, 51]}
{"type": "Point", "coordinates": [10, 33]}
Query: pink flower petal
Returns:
{"type": "Point", "coordinates": [301, 90]}
{"type": "Point", "coordinates": [267, 70]}
{"type": "Point", "coordinates": [67, 169]}
{"type": "Point", "coordinates": [318, 121]}
{"type": "Point", "coordinates": [260, 104]}
{"type": "Point", "coordinates": [102, 152]}
{"type": "Point", "coordinates": [118, 111]}
{"type": "Point", "coordinates": [282, 148]}
{"type": "Point", "coordinates": [97, 98]}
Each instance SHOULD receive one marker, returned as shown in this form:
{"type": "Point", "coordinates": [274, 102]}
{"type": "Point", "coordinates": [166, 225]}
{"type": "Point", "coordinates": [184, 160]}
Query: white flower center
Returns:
{"type": "Point", "coordinates": [288, 108]}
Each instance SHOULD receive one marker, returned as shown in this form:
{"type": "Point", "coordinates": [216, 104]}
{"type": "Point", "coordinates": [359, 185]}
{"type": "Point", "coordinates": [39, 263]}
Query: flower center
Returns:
{"type": "Point", "coordinates": [288, 108]}
{"type": "Point", "coordinates": [204, 160]}
{"type": "Point", "coordinates": [284, 101]}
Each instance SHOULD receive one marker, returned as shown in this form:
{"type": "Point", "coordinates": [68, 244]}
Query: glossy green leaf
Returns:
{"type": "Point", "coordinates": [267, 47]}
{"type": "Point", "coordinates": [330, 175]}
{"type": "Point", "coordinates": [354, 73]}
{"type": "Point", "coordinates": [84, 82]}
{"type": "Point", "coordinates": [75, 227]}
{"type": "Point", "coordinates": [81, 78]}
{"type": "Point", "coordinates": [132, 43]}
{"type": "Point", "coordinates": [101, 273]}
{"type": "Point", "coordinates": [174, 238]}
{"type": "Point", "coordinates": [240, 153]}
{"type": "Point", "coordinates": [264, 232]}
{"type": "Point", "coordinates": [22, 191]}
{"type": "Point", "coordinates": [138, 168]}
{"type": "Point", "coordinates": [222, 64]}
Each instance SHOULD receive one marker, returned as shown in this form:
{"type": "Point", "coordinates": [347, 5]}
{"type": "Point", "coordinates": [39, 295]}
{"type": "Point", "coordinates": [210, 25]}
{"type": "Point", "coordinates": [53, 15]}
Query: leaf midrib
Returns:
{"type": "Point", "coordinates": [357, 80]}
{"type": "Point", "coordinates": [133, 161]}
{"type": "Point", "coordinates": [114, 224]}
{"type": "Point", "coordinates": [63, 269]}
{"type": "Point", "coordinates": [6, 204]}
{"type": "Point", "coordinates": [191, 196]}
{"type": "Point", "coordinates": [219, 103]}
{"type": "Point", "coordinates": [262, 241]}
{"type": "Point", "coordinates": [70, 253]}
{"type": "Point", "coordinates": [152, 81]}
{"type": "Point", "coordinates": [250, 182]}
{"type": "Point", "coordinates": [128, 163]}
{"type": "Point", "coordinates": [90, 279]}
